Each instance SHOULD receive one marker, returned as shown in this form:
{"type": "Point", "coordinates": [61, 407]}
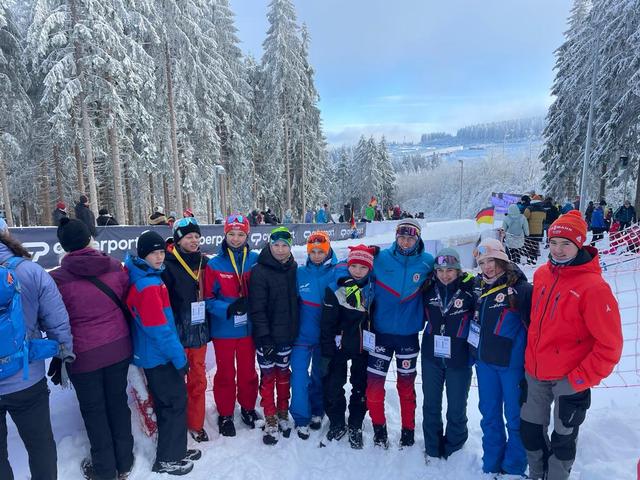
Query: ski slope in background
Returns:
{"type": "Point", "coordinates": [609, 444]}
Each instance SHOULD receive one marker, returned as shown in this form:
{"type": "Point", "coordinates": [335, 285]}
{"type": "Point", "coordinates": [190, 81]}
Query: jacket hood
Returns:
{"type": "Point", "coordinates": [266, 258]}
{"type": "Point", "coordinates": [513, 210]}
{"type": "Point", "coordinates": [137, 268]}
{"type": "Point", "coordinates": [88, 262]}
{"type": "Point", "coordinates": [329, 262]}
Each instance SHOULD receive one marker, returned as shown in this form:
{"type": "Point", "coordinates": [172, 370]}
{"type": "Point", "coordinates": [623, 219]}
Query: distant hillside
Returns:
{"type": "Point", "coordinates": [495, 132]}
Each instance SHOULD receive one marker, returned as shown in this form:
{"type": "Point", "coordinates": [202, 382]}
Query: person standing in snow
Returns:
{"type": "Point", "coordinates": [449, 307]}
{"type": "Point", "coordinates": [93, 286]}
{"type": "Point", "coordinates": [516, 229]}
{"type": "Point", "coordinates": [105, 218]}
{"type": "Point", "coordinates": [345, 314]}
{"type": "Point", "coordinates": [226, 292]}
{"type": "Point", "coordinates": [27, 400]}
{"type": "Point", "coordinates": [536, 215]}
{"type": "Point", "coordinates": [626, 215]}
{"type": "Point", "coordinates": [59, 213]}
{"type": "Point", "coordinates": [273, 312]}
{"type": "Point", "coordinates": [497, 338]}
{"type": "Point", "coordinates": [398, 317]}
{"type": "Point", "coordinates": [598, 222]}
{"type": "Point", "coordinates": [306, 389]}
{"type": "Point", "coordinates": [85, 214]}
{"type": "Point", "coordinates": [574, 341]}
{"type": "Point", "coordinates": [157, 349]}
{"type": "Point", "coordinates": [183, 275]}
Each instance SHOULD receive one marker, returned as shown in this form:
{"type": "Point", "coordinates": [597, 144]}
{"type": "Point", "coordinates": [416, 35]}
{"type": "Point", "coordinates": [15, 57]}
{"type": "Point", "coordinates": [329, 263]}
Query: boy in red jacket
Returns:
{"type": "Point", "coordinates": [574, 341]}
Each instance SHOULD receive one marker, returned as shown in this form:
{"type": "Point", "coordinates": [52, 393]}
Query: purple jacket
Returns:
{"type": "Point", "coordinates": [101, 335]}
{"type": "Point", "coordinates": [43, 312]}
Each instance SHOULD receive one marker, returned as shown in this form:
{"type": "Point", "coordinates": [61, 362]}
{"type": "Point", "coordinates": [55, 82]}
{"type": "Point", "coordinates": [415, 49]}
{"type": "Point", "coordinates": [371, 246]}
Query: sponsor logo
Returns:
{"type": "Point", "coordinates": [379, 349]}
{"type": "Point", "coordinates": [458, 303]}
{"type": "Point", "coordinates": [379, 365]}
{"type": "Point", "coordinates": [406, 364]}
{"type": "Point", "coordinates": [574, 293]}
{"type": "Point", "coordinates": [416, 277]}
{"type": "Point", "coordinates": [226, 275]}
{"type": "Point", "coordinates": [500, 297]}
{"type": "Point", "coordinates": [36, 249]}
{"type": "Point", "coordinates": [498, 305]}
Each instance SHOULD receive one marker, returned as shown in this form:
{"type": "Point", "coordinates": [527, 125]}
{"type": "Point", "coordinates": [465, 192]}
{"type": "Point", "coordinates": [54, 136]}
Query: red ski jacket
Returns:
{"type": "Point", "coordinates": [575, 329]}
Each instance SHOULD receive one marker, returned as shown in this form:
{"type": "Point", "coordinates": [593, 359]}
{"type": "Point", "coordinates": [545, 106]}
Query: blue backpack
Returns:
{"type": "Point", "coordinates": [16, 351]}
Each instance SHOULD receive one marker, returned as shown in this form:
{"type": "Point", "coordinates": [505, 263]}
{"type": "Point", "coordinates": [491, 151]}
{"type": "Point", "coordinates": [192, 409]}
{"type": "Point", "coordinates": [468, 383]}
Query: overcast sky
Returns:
{"type": "Point", "coordinates": [406, 67]}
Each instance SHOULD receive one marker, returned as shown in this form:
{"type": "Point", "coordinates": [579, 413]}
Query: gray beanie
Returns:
{"type": "Point", "coordinates": [447, 258]}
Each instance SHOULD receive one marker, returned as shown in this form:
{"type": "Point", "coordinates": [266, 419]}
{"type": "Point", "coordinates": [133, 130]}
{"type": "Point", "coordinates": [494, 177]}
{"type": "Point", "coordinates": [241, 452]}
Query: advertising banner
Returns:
{"type": "Point", "coordinates": [501, 202]}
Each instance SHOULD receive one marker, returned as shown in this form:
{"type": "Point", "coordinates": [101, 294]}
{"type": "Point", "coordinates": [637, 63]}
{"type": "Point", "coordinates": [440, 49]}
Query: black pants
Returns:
{"type": "Point", "coordinates": [102, 395]}
{"type": "Point", "coordinates": [169, 394]}
{"type": "Point", "coordinates": [29, 410]}
{"type": "Point", "coordinates": [598, 234]}
{"type": "Point", "coordinates": [335, 402]}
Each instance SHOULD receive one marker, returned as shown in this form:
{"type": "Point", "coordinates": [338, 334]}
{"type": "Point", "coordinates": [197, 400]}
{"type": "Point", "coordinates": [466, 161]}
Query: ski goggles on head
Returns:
{"type": "Point", "coordinates": [235, 219]}
{"type": "Point", "coordinates": [281, 233]}
{"type": "Point", "coordinates": [407, 231]}
{"type": "Point", "coordinates": [317, 238]}
{"type": "Point", "coordinates": [447, 261]}
{"type": "Point", "coordinates": [183, 222]}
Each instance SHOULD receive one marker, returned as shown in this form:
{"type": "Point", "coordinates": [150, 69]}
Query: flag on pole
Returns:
{"type": "Point", "coordinates": [352, 222]}
{"type": "Point", "coordinates": [485, 216]}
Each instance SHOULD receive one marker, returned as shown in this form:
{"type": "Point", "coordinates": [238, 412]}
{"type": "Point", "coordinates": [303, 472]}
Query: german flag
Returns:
{"type": "Point", "coordinates": [485, 216]}
{"type": "Point", "coordinates": [352, 222]}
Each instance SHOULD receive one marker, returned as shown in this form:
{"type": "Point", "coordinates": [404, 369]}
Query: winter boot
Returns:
{"type": "Point", "coordinates": [251, 418]}
{"type": "Point", "coordinates": [355, 437]}
{"type": "Point", "coordinates": [509, 476]}
{"type": "Point", "coordinates": [271, 434]}
{"type": "Point", "coordinates": [380, 437]}
{"type": "Point", "coordinates": [406, 437]}
{"type": "Point", "coordinates": [336, 432]}
{"type": "Point", "coordinates": [193, 455]}
{"type": "Point", "coordinates": [226, 426]}
{"type": "Point", "coordinates": [303, 432]}
{"type": "Point", "coordinates": [284, 424]}
{"type": "Point", "coordinates": [87, 469]}
{"type": "Point", "coordinates": [316, 422]}
{"type": "Point", "coordinates": [199, 435]}
{"type": "Point", "coordinates": [181, 467]}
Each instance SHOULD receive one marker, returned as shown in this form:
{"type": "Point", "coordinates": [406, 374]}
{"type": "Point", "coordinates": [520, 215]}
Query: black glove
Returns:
{"type": "Point", "coordinates": [238, 307]}
{"type": "Point", "coordinates": [376, 249]}
{"type": "Point", "coordinates": [572, 409]}
{"type": "Point", "coordinates": [184, 370]}
{"type": "Point", "coordinates": [55, 371]}
{"type": "Point", "coordinates": [352, 291]}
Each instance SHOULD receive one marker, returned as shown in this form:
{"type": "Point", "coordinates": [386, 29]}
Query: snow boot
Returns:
{"type": "Point", "coordinates": [251, 418]}
{"type": "Point", "coordinates": [407, 437]}
{"type": "Point", "coordinates": [181, 467]}
{"type": "Point", "coordinates": [380, 437]}
{"type": "Point", "coordinates": [336, 432]}
{"type": "Point", "coordinates": [355, 437]}
{"type": "Point", "coordinates": [271, 434]}
{"type": "Point", "coordinates": [509, 476]}
{"type": "Point", "coordinates": [226, 426]}
{"type": "Point", "coordinates": [87, 469]}
{"type": "Point", "coordinates": [316, 422]}
{"type": "Point", "coordinates": [199, 435]}
{"type": "Point", "coordinates": [284, 424]}
{"type": "Point", "coordinates": [193, 454]}
{"type": "Point", "coordinates": [303, 432]}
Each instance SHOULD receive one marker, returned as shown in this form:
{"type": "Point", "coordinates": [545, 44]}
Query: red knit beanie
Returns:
{"type": "Point", "coordinates": [570, 226]}
{"type": "Point", "coordinates": [237, 222]}
{"type": "Point", "coordinates": [362, 255]}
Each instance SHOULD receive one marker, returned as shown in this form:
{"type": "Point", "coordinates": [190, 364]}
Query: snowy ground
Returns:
{"type": "Point", "coordinates": [609, 444]}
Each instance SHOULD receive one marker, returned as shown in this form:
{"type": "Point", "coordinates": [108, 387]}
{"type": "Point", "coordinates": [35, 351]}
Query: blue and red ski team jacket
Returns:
{"type": "Point", "coordinates": [312, 282]}
{"type": "Point", "coordinates": [155, 338]}
{"type": "Point", "coordinates": [222, 287]}
{"type": "Point", "coordinates": [398, 301]}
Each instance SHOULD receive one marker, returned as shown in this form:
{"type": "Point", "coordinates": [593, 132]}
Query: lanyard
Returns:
{"type": "Point", "coordinates": [448, 306]}
{"type": "Point", "coordinates": [494, 290]}
{"type": "Point", "coordinates": [194, 275]}
{"type": "Point", "coordinates": [235, 267]}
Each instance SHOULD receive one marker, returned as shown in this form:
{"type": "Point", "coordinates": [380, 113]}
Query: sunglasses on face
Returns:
{"type": "Point", "coordinates": [444, 260]}
{"type": "Point", "coordinates": [406, 231]}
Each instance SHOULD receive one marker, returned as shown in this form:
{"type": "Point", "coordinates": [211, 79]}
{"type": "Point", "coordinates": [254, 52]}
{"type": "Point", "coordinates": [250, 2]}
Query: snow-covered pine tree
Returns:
{"type": "Point", "coordinates": [387, 174]}
{"type": "Point", "coordinates": [15, 106]}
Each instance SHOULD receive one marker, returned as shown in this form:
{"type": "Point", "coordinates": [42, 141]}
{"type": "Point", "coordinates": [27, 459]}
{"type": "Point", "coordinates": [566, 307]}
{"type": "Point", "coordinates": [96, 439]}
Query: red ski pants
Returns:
{"type": "Point", "coordinates": [196, 387]}
{"type": "Point", "coordinates": [236, 372]}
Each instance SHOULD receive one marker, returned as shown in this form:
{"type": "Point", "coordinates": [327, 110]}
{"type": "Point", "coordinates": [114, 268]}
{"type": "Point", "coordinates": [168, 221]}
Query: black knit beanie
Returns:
{"type": "Point", "coordinates": [73, 234]}
{"type": "Point", "coordinates": [148, 242]}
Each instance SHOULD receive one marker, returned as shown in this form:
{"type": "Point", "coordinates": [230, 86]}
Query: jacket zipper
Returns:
{"type": "Point", "coordinates": [542, 320]}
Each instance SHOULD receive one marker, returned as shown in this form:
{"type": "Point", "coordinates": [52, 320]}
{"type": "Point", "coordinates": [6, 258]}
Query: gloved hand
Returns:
{"type": "Point", "coordinates": [55, 370]}
{"type": "Point", "coordinates": [353, 292]}
{"type": "Point", "coordinates": [572, 405]}
{"type": "Point", "coordinates": [184, 370]}
{"type": "Point", "coordinates": [268, 348]}
{"type": "Point", "coordinates": [324, 366]}
{"type": "Point", "coordinates": [376, 249]}
{"type": "Point", "coordinates": [238, 307]}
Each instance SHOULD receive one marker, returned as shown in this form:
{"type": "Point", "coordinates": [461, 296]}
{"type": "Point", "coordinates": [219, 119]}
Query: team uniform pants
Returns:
{"type": "Point", "coordinates": [406, 349]}
{"type": "Point", "coordinates": [275, 376]}
{"type": "Point", "coordinates": [306, 388]}
{"type": "Point", "coordinates": [236, 376]}
{"type": "Point", "coordinates": [196, 387]}
{"type": "Point", "coordinates": [334, 394]}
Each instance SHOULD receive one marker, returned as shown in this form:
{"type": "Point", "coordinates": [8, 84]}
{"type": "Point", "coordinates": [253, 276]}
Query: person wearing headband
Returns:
{"type": "Point", "coordinates": [273, 313]}
{"type": "Point", "coordinates": [497, 338]}
{"type": "Point", "coordinates": [184, 278]}
{"type": "Point", "coordinates": [574, 342]}
{"type": "Point", "coordinates": [226, 286]}
{"type": "Point", "coordinates": [449, 305]}
{"type": "Point", "coordinates": [398, 317]}
{"type": "Point", "coordinates": [306, 389]}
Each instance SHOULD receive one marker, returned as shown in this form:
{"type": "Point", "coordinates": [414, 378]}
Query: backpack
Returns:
{"type": "Point", "coordinates": [15, 349]}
